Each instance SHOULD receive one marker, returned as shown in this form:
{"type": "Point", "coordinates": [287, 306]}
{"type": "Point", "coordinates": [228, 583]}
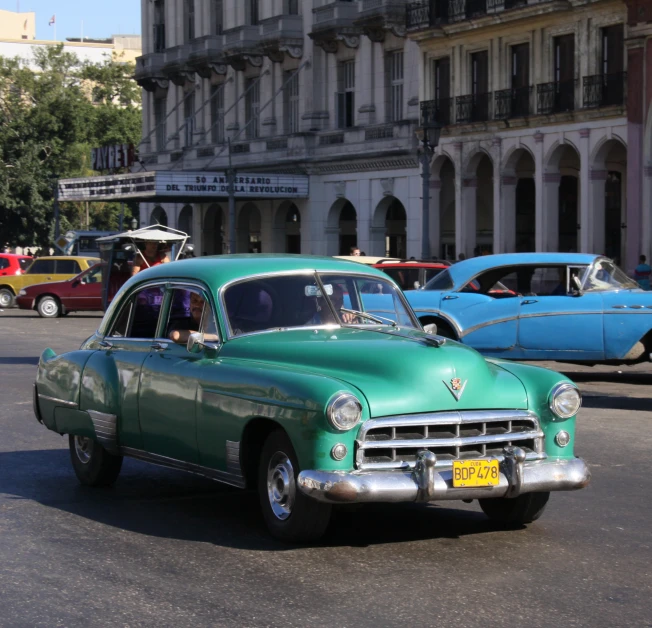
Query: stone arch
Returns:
{"type": "Point", "coordinates": [158, 216]}
{"type": "Point", "coordinates": [287, 228]}
{"type": "Point", "coordinates": [248, 229]}
{"type": "Point", "coordinates": [470, 168]}
{"type": "Point", "coordinates": [389, 228]}
{"type": "Point", "coordinates": [513, 156]}
{"type": "Point", "coordinates": [341, 227]}
{"type": "Point", "coordinates": [554, 153]}
{"type": "Point", "coordinates": [600, 151]}
{"type": "Point", "coordinates": [185, 220]}
{"type": "Point", "coordinates": [438, 162]}
{"type": "Point", "coordinates": [214, 232]}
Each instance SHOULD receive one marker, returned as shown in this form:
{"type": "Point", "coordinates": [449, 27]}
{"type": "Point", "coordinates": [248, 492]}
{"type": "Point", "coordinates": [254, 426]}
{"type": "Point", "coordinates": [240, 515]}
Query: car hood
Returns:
{"type": "Point", "coordinates": [50, 285]}
{"type": "Point", "coordinates": [399, 372]}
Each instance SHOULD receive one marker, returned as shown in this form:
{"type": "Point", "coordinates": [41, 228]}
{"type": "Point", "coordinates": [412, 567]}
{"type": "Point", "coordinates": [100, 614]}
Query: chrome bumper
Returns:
{"type": "Point", "coordinates": [424, 484]}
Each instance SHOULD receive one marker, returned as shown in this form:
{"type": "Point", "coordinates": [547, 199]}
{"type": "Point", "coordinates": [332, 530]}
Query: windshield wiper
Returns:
{"type": "Point", "coordinates": [376, 319]}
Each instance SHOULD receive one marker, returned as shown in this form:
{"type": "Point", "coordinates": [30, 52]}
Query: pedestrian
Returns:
{"type": "Point", "coordinates": [461, 257]}
{"type": "Point", "coordinates": [355, 251]}
{"type": "Point", "coordinates": [642, 273]}
{"type": "Point", "coordinates": [149, 254]}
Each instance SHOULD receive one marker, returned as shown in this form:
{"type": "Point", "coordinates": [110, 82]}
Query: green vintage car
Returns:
{"type": "Point", "coordinates": [311, 380]}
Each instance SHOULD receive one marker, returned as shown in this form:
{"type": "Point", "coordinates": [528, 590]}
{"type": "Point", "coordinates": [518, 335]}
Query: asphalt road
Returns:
{"type": "Point", "coordinates": [163, 548]}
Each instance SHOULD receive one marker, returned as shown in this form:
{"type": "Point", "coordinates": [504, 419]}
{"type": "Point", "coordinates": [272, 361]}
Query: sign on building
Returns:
{"type": "Point", "coordinates": [113, 157]}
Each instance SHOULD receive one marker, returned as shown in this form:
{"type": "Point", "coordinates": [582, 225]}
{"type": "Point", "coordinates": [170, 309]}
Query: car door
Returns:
{"type": "Point", "coordinates": [557, 322]}
{"type": "Point", "coordinates": [84, 292]}
{"type": "Point", "coordinates": [486, 315]}
{"type": "Point", "coordinates": [65, 269]}
{"type": "Point", "coordinates": [40, 271]}
{"type": "Point", "coordinates": [170, 376]}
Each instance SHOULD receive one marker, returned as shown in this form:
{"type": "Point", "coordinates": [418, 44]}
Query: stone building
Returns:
{"type": "Point", "coordinates": [327, 90]}
{"type": "Point", "coordinates": [545, 145]}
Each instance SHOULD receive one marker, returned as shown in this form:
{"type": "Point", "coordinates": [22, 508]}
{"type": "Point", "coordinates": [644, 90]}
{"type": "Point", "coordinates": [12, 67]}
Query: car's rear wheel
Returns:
{"type": "Point", "coordinates": [6, 298]}
{"type": "Point", "coordinates": [289, 514]}
{"type": "Point", "coordinates": [516, 511]}
{"type": "Point", "coordinates": [49, 307]}
{"type": "Point", "coordinates": [93, 465]}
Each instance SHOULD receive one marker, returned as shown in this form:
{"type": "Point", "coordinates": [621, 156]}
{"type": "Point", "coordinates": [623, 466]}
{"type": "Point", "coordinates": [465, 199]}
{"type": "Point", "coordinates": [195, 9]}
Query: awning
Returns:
{"type": "Point", "coordinates": [152, 234]}
{"type": "Point", "coordinates": [173, 187]}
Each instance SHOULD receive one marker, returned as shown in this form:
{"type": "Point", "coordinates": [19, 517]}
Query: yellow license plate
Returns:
{"type": "Point", "coordinates": [475, 473]}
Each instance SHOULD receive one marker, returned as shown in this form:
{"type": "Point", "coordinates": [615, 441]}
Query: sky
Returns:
{"type": "Point", "coordinates": [101, 19]}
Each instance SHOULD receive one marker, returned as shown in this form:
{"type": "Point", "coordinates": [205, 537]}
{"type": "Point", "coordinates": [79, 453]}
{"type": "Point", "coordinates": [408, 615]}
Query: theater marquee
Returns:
{"type": "Point", "coordinates": [182, 186]}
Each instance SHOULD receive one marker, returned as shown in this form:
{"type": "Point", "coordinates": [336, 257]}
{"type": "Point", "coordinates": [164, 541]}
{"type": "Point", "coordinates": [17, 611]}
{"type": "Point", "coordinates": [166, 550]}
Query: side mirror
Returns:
{"type": "Point", "coordinates": [578, 286]}
{"type": "Point", "coordinates": [431, 329]}
{"type": "Point", "coordinates": [197, 343]}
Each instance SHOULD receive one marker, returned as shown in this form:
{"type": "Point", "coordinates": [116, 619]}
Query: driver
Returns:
{"type": "Point", "coordinates": [183, 328]}
{"type": "Point", "coordinates": [148, 255]}
{"type": "Point", "coordinates": [324, 315]}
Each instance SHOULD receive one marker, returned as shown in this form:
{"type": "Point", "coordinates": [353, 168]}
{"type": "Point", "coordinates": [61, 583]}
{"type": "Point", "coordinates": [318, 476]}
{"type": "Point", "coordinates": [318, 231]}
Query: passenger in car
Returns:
{"type": "Point", "coordinates": [148, 255]}
{"type": "Point", "coordinates": [179, 330]}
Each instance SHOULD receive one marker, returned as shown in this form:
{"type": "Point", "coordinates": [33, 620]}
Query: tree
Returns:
{"type": "Point", "coordinates": [50, 117]}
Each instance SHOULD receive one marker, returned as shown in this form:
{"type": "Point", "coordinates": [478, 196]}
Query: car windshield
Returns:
{"type": "Point", "coordinates": [303, 300]}
{"type": "Point", "coordinates": [605, 275]}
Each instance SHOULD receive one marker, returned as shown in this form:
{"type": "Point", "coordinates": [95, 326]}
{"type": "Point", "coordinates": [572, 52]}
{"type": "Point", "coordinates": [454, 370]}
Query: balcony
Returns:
{"type": "Point", "coordinates": [280, 35]}
{"type": "Point", "coordinates": [426, 14]}
{"type": "Point", "coordinates": [207, 57]}
{"type": "Point", "coordinates": [242, 45]}
{"type": "Point", "coordinates": [556, 97]}
{"type": "Point", "coordinates": [513, 103]}
{"type": "Point", "coordinates": [149, 71]}
{"type": "Point", "coordinates": [334, 22]}
{"type": "Point", "coordinates": [175, 66]}
{"type": "Point", "coordinates": [472, 108]}
{"type": "Point", "coordinates": [605, 90]}
{"type": "Point", "coordinates": [438, 110]}
{"type": "Point", "coordinates": [376, 17]}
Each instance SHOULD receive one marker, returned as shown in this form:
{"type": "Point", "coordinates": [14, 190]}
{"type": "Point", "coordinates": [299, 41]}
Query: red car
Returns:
{"type": "Point", "coordinates": [11, 264]}
{"type": "Point", "coordinates": [411, 274]}
{"type": "Point", "coordinates": [81, 293]}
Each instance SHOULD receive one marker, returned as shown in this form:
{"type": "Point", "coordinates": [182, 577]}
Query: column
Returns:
{"type": "Point", "coordinates": [596, 196]}
{"type": "Point", "coordinates": [266, 209]}
{"type": "Point", "coordinates": [646, 217]}
{"type": "Point", "coordinates": [550, 211]}
{"type": "Point", "coordinates": [508, 211]}
{"type": "Point", "coordinates": [231, 93]}
{"type": "Point", "coordinates": [435, 218]}
{"type": "Point", "coordinates": [589, 220]}
{"type": "Point", "coordinates": [269, 83]}
{"type": "Point", "coordinates": [540, 231]}
{"type": "Point", "coordinates": [496, 149]}
{"type": "Point", "coordinates": [364, 70]}
{"type": "Point", "coordinates": [466, 229]}
{"type": "Point", "coordinates": [460, 240]}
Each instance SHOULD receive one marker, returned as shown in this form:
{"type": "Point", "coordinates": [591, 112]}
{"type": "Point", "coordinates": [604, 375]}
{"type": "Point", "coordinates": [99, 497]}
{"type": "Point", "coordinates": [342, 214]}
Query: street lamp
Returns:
{"type": "Point", "coordinates": [134, 224]}
{"type": "Point", "coordinates": [428, 135]}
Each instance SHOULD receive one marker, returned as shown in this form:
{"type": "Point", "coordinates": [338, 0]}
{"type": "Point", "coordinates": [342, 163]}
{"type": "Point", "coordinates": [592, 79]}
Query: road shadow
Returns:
{"type": "Point", "coordinates": [18, 360]}
{"type": "Point", "coordinates": [615, 402]}
{"type": "Point", "coordinates": [158, 502]}
{"type": "Point", "coordinates": [634, 379]}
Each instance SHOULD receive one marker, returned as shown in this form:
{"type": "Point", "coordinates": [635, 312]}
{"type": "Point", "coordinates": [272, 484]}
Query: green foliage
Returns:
{"type": "Point", "coordinates": [50, 118]}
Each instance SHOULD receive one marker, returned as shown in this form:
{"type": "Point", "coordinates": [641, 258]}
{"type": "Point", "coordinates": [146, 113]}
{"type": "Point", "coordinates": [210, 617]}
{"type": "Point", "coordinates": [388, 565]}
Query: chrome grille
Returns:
{"type": "Point", "coordinates": [393, 442]}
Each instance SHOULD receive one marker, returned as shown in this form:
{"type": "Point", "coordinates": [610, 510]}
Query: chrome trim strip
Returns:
{"type": "Point", "coordinates": [62, 402]}
{"type": "Point", "coordinates": [106, 428]}
{"type": "Point", "coordinates": [180, 465]}
{"type": "Point", "coordinates": [628, 311]}
{"type": "Point", "coordinates": [233, 458]}
{"type": "Point", "coordinates": [573, 313]}
{"type": "Point", "coordinates": [487, 324]}
{"type": "Point", "coordinates": [440, 464]}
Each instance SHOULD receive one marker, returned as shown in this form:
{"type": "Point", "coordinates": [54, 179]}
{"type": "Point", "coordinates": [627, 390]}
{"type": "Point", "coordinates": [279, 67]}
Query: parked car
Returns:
{"type": "Point", "coordinates": [81, 293]}
{"type": "Point", "coordinates": [42, 270]}
{"type": "Point", "coordinates": [540, 306]}
{"type": "Point", "coordinates": [411, 274]}
{"type": "Point", "coordinates": [11, 264]}
{"type": "Point", "coordinates": [278, 372]}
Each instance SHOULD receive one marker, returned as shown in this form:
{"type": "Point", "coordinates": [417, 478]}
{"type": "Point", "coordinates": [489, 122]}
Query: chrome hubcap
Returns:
{"type": "Point", "coordinates": [281, 488]}
{"type": "Point", "coordinates": [49, 307]}
{"type": "Point", "coordinates": [5, 299]}
{"type": "Point", "coordinates": [83, 449]}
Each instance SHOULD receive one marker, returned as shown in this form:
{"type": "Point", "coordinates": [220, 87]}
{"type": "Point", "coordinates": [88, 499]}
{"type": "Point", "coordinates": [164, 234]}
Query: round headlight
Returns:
{"type": "Point", "coordinates": [565, 401]}
{"type": "Point", "coordinates": [344, 411]}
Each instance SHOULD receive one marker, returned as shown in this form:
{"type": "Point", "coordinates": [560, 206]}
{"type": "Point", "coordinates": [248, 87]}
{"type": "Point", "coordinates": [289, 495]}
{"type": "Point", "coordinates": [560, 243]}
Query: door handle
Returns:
{"type": "Point", "coordinates": [105, 344]}
{"type": "Point", "coordinates": [159, 346]}
{"type": "Point", "coordinates": [530, 301]}
{"type": "Point", "coordinates": [450, 297]}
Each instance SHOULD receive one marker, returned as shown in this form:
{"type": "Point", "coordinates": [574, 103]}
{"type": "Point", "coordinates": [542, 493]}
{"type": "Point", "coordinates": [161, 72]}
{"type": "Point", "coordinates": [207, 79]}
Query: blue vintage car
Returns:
{"type": "Point", "coordinates": [540, 306]}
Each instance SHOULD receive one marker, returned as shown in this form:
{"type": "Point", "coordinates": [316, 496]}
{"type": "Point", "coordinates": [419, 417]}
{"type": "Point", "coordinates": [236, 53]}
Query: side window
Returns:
{"type": "Point", "coordinates": [42, 267]}
{"type": "Point", "coordinates": [67, 267]}
{"type": "Point", "coordinates": [121, 326]}
{"type": "Point", "coordinates": [549, 281]}
{"type": "Point", "coordinates": [190, 311]}
{"type": "Point", "coordinates": [443, 281]}
{"type": "Point", "coordinates": [4, 263]}
{"type": "Point", "coordinates": [147, 307]}
{"type": "Point", "coordinates": [24, 263]}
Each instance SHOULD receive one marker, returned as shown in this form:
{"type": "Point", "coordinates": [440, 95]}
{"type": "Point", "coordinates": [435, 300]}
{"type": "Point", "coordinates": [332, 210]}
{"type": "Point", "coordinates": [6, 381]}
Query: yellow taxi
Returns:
{"type": "Point", "coordinates": [43, 270]}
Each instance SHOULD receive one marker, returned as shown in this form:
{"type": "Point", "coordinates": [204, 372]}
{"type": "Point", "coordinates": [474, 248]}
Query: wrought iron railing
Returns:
{"type": "Point", "coordinates": [556, 97]}
{"type": "Point", "coordinates": [513, 103]}
{"type": "Point", "coordinates": [604, 90]}
{"type": "Point", "coordinates": [426, 13]}
{"type": "Point", "coordinates": [466, 9]}
{"type": "Point", "coordinates": [472, 108]}
{"type": "Point", "coordinates": [438, 110]}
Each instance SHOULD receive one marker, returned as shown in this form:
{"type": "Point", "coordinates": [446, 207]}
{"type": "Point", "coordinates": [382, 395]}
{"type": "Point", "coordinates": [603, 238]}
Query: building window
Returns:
{"type": "Point", "coordinates": [442, 89]}
{"type": "Point", "coordinates": [346, 94]}
{"type": "Point", "coordinates": [189, 20]}
{"type": "Point", "coordinates": [251, 12]}
{"type": "Point", "coordinates": [217, 114]}
{"type": "Point", "coordinates": [189, 117]}
{"type": "Point", "coordinates": [252, 105]}
{"type": "Point", "coordinates": [291, 102]}
{"type": "Point", "coordinates": [217, 17]}
{"type": "Point", "coordinates": [480, 85]}
{"type": "Point", "coordinates": [613, 50]}
{"type": "Point", "coordinates": [159, 26]}
{"type": "Point", "coordinates": [395, 86]}
{"type": "Point", "coordinates": [160, 107]}
{"type": "Point", "coordinates": [292, 7]}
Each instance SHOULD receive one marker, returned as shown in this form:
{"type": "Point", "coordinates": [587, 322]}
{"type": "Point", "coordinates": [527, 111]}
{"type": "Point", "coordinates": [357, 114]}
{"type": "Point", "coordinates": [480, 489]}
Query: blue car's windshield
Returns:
{"type": "Point", "coordinates": [605, 275]}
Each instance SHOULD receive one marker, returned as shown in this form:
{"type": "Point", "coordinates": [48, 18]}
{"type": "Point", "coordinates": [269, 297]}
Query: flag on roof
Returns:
{"type": "Point", "coordinates": [53, 20]}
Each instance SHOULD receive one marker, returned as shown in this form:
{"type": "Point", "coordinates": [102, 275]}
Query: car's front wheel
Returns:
{"type": "Point", "coordinates": [49, 307]}
{"type": "Point", "coordinates": [6, 298]}
{"type": "Point", "coordinates": [93, 465]}
{"type": "Point", "coordinates": [289, 514]}
{"type": "Point", "coordinates": [515, 511]}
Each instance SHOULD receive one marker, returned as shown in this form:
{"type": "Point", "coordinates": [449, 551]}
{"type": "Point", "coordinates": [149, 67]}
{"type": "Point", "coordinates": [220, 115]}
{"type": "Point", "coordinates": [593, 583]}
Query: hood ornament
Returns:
{"type": "Point", "coordinates": [456, 387]}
